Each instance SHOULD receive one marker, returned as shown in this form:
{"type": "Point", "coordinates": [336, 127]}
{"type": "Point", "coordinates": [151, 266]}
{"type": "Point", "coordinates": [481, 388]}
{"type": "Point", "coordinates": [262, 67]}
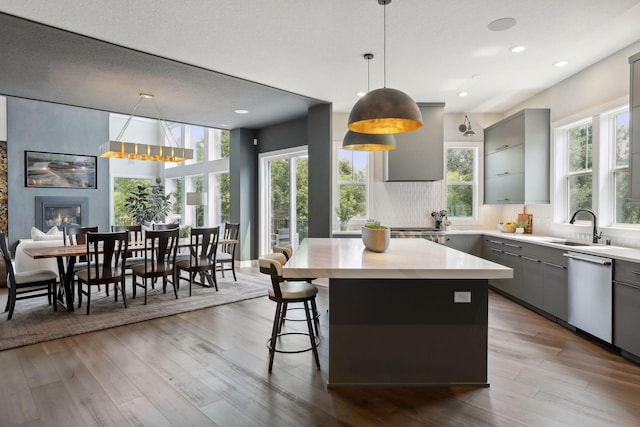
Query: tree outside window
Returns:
{"type": "Point", "coordinates": [123, 188]}
{"type": "Point", "coordinates": [579, 179]}
{"type": "Point", "coordinates": [353, 178]}
{"type": "Point", "coordinates": [625, 212]}
{"type": "Point", "coordinates": [460, 182]}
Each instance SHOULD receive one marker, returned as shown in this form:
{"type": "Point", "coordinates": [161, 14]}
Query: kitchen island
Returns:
{"type": "Point", "coordinates": [415, 315]}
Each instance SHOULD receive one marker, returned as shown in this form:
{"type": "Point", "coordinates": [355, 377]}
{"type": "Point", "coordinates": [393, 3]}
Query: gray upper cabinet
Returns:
{"type": "Point", "coordinates": [516, 168]}
{"type": "Point", "coordinates": [419, 155]}
{"type": "Point", "coordinates": [634, 133]}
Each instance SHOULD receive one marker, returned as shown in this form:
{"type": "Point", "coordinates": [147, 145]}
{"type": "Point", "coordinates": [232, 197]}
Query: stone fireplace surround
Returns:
{"type": "Point", "coordinates": [60, 211]}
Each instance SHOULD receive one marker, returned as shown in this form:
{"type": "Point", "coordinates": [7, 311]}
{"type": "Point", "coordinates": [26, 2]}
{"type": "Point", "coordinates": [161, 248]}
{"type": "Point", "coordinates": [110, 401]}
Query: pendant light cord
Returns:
{"type": "Point", "coordinates": [384, 44]}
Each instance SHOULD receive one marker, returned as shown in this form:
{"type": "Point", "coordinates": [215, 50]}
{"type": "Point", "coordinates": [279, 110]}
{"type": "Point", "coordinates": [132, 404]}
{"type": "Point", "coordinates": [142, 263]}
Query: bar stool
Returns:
{"type": "Point", "coordinates": [287, 251]}
{"type": "Point", "coordinates": [283, 293]}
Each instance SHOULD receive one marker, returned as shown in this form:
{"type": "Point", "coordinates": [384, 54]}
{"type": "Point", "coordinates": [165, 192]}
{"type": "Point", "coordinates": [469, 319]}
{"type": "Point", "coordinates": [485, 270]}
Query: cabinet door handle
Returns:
{"type": "Point", "coordinates": [636, 272]}
{"type": "Point", "coordinates": [629, 285]}
{"type": "Point", "coordinates": [512, 254]}
{"type": "Point", "coordinates": [554, 265]}
{"type": "Point", "coordinates": [503, 173]}
{"type": "Point", "coordinates": [513, 245]}
{"type": "Point", "coordinates": [530, 259]}
{"type": "Point", "coordinates": [503, 200]}
{"type": "Point", "coordinates": [497, 250]}
{"type": "Point", "coordinates": [496, 242]}
{"type": "Point", "coordinates": [502, 147]}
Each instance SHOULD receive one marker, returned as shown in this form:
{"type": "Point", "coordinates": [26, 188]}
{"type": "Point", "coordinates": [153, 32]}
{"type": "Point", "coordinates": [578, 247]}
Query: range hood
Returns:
{"type": "Point", "coordinates": [419, 154]}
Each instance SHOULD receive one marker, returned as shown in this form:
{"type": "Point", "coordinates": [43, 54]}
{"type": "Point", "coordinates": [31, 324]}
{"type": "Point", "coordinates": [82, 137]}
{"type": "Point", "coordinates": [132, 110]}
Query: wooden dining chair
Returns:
{"type": "Point", "coordinates": [28, 284]}
{"type": "Point", "coordinates": [226, 259]}
{"type": "Point", "coordinates": [168, 226]}
{"type": "Point", "coordinates": [135, 239]}
{"type": "Point", "coordinates": [105, 252]}
{"type": "Point", "coordinates": [76, 235]}
{"type": "Point", "coordinates": [202, 260]}
{"type": "Point", "coordinates": [159, 261]}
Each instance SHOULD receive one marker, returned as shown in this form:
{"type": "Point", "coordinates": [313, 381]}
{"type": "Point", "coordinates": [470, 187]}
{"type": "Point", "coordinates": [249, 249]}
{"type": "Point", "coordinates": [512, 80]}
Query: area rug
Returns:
{"type": "Point", "coordinates": [35, 321]}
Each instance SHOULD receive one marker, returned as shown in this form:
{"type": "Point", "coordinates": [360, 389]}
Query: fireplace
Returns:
{"type": "Point", "coordinates": [61, 211]}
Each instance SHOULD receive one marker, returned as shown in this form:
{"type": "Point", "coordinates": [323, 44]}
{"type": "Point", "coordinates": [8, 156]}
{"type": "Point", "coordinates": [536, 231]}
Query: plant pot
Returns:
{"type": "Point", "coordinates": [519, 230]}
{"type": "Point", "coordinates": [376, 240]}
{"type": "Point", "coordinates": [343, 227]}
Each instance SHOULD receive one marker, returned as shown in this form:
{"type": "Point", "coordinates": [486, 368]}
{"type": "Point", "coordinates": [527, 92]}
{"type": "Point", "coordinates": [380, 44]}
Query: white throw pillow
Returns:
{"type": "Point", "coordinates": [52, 234]}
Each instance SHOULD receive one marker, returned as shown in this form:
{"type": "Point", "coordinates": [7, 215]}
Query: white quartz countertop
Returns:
{"type": "Point", "coordinates": [616, 252]}
{"type": "Point", "coordinates": [404, 259]}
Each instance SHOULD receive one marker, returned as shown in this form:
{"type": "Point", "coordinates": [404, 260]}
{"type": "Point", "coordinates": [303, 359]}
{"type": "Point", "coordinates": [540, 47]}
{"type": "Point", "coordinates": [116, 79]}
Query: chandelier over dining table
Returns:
{"type": "Point", "coordinates": [119, 149]}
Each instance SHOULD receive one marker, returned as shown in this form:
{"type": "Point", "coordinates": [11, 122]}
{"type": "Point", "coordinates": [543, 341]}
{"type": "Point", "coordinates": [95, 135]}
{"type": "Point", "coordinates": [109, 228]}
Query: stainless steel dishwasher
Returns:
{"type": "Point", "coordinates": [591, 294]}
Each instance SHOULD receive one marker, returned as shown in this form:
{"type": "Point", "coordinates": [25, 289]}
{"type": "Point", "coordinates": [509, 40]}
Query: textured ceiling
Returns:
{"type": "Point", "coordinates": [435, 48]}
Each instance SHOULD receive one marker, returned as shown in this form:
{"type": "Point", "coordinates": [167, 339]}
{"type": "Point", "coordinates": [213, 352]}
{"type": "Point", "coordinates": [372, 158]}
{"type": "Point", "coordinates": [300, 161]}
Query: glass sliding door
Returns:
{"type": "Point", "coordinates": [283, 198]}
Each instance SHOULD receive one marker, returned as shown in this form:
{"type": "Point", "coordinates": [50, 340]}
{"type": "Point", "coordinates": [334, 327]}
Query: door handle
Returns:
{"type": "Point", "coordinates": [592, 261]}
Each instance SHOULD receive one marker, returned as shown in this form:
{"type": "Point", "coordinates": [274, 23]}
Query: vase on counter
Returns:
{"type": "Point", "coordinates": [376, 239]}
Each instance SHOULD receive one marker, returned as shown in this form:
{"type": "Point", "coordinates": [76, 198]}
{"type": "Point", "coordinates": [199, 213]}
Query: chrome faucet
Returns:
{"type": "Point", "coordinates": [594, 220]}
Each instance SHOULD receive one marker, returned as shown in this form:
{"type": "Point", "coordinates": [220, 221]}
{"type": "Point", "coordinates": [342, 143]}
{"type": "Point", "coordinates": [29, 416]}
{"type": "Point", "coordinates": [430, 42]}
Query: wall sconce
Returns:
{"type": "Point", "coordinates": [465, 127]}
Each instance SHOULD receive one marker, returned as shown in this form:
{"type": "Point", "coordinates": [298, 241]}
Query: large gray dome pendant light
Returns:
{"type": "Point", "coordinates": [357, 141]}
{"type": "Point", "coordinates": [385, 110]}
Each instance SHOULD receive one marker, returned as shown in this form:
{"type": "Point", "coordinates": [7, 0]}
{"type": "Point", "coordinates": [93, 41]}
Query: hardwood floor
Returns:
{"type": "Point", "coordinates": [209, 367]}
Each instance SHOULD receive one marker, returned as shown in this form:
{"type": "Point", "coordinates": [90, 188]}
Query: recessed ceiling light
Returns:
{"type": "Point", "coordinates": [462, 94]}
{"type": "Point", "coordinates": [518, 49]}
{"type": "Point", "coordinates": [224, 125]}
{"type": "Point", "coordinates": [560, 63]}
{"type": "Point", "coordinates": [501, 24]}
{"type": "Point", "coordinates": [241, 111]}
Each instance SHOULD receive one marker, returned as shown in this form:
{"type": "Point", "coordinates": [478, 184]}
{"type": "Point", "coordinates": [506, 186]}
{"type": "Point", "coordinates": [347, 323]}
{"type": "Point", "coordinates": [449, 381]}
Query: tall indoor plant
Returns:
{"type": "Point", "coordinates": [148, 204]}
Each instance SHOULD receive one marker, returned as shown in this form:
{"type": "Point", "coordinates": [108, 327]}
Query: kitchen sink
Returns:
{"type": "Point", "coordinates": [569, 243]}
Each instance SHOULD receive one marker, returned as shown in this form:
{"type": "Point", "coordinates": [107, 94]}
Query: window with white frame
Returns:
{"type": "Point", "coordinates": [352, 178]}
{"type": "Point", "coordinates": [599, 181]}
{"type": "Point", "coordinates": [578, 167]}
{"type": "Point", "coordinates": [625, 212]}
{"type": "Point", "coordinates": [462, 181]}
{"type": "Point", "coordinates": [463, 189]}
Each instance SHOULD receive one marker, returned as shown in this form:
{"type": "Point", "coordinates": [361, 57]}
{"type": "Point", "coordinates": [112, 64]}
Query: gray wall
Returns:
{"type": "Point", "coordinates": [42, 126]}
{"type": "Point", "coordinates": [283, 135]}
{"type": "Point", "coordinates": [319, 140]}
{"type": "Point", "coordinates": [243, 167]}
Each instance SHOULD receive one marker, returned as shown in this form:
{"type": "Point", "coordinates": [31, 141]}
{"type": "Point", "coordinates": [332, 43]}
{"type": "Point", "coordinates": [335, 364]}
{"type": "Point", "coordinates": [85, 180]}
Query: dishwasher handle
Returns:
{"type": "Point", "coordinates": [592, 261]}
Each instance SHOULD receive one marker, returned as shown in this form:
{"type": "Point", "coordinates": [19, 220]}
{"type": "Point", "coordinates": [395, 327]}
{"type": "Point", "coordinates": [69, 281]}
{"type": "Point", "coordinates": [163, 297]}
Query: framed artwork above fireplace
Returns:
{"type": "Point", "coordinates": [57, 170]}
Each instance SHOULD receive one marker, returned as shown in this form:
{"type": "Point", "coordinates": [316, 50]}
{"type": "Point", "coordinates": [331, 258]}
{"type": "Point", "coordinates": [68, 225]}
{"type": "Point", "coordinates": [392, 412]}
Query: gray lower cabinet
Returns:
{"type": "Point", "coordinates": [468, 243]}
{"type": "Point", "coordinates": [540, 276]}
{"type": "Point", "coordinates": [505, 252]}
{"type": "Point", "coordinates": [532, 278]}
{"type": "Point", "coordinates": [626, 306]}
{"type": "Point", "coordinates": [555, 289]}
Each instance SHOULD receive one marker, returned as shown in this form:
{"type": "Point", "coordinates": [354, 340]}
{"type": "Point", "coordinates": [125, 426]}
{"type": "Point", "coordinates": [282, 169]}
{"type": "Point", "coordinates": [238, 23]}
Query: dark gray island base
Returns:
{"type": "Point", "coordinates": [408, 332]}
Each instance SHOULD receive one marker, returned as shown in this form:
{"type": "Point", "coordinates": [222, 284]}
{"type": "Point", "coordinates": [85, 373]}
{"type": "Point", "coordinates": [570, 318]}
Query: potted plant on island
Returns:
{"type": "Point", "coordinates": [376, 237]}
{"type": "Point", "coordinates": [345, 213]}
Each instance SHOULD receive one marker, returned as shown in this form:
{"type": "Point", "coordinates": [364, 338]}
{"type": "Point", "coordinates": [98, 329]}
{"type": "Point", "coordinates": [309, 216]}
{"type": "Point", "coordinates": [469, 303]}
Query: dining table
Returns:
{"type": "Point", "coordinates": [71, 252]}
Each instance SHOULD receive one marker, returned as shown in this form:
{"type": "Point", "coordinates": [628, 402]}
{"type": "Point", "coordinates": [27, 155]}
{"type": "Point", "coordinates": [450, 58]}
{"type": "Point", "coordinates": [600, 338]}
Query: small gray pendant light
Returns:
{"type": "Point", "coordinates": [385, 110]}
{"type": "Point", "coordinates": [365, 141]}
